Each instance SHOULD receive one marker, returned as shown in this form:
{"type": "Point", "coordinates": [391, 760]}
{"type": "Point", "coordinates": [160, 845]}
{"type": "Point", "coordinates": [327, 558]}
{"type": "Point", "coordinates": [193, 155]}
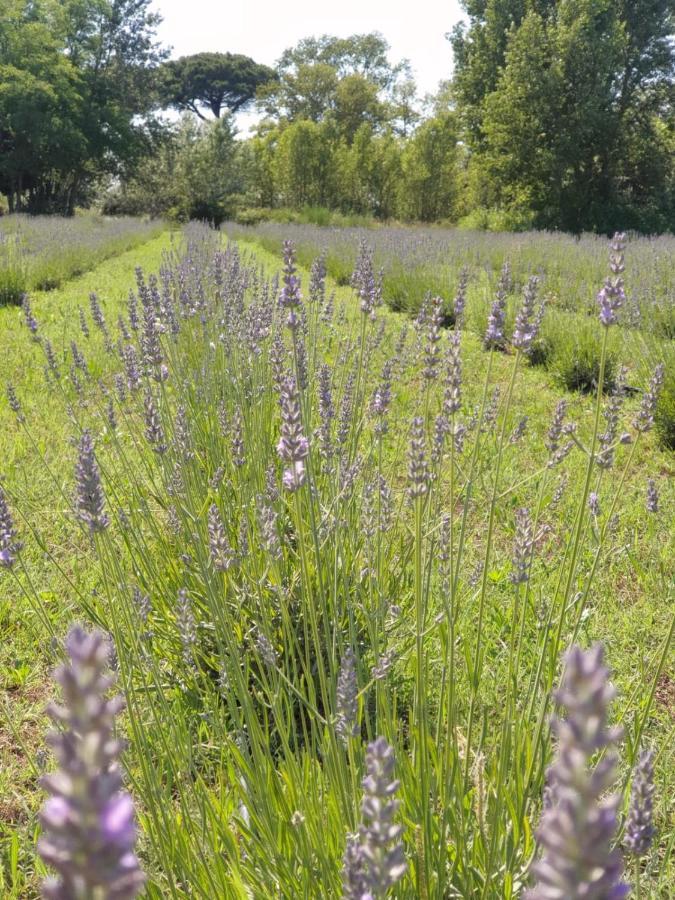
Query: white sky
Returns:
{"type": "Point", "coordinates": [263, 29]}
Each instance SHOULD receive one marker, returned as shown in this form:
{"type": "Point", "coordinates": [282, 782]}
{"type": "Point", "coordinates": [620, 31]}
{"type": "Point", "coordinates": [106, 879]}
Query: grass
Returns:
{"type": "Point", "coordinates": [182, 747]}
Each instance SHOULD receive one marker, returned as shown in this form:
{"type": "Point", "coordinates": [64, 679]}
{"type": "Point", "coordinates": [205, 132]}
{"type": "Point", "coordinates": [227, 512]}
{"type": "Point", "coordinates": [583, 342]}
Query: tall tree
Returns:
{"type": "Point", "coordinates": [567, 111]}
{"type": "Point", "coordinates": [213, 81]}
{"type": "Point", "coordinates": [76, 95]}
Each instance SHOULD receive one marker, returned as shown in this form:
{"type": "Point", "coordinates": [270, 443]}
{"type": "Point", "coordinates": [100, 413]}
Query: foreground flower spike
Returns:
{"type": "Point", "coordinates": [640, 821]}
{"type": "Point", "coordinates": [88, 822]}
{"type": "Point", "coordinates": [90, 498]}
{"type": "Point", "coordinates": [578, 829]}
{"type": "Point", "coordinates": [374, 860]}
{"type": "Point", "coordinates": [612, 297]}
{"type": "Point", "coordinates": [9, 546]}
{"type": "Point", "coordinates": [293, 447]}
{"type": "Point", "coordinates": [346, 724]}
{"type": "Point", "coordinates": [522, 547]}
{"type": "Point", "coordinates": [652, 502]}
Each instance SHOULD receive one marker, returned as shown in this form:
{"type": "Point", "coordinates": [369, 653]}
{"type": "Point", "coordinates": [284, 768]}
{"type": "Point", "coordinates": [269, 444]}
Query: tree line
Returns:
{"type": "Point", "coordinates": [557, 114]}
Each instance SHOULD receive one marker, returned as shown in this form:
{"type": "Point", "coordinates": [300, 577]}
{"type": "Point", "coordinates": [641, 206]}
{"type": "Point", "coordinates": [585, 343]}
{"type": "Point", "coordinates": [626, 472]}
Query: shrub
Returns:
{"type": "Point", "coordinates": [575, 350]}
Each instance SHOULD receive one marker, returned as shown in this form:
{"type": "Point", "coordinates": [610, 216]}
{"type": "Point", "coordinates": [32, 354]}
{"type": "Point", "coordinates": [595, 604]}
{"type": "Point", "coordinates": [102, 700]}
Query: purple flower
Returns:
{"type": "Point", "coordinates": [14, 402]}
{"type": "Point", "coordinates": [88, 823]}
{"type": "Point", "coordinates": [346, 725]}
{"type": "Point", "coordinates": [612, 296]}
{"type": "Point", "coordinates": [154, 431]}
{"type": "Point", "coordinates": [293, 447]}
{"type": "Point", "coordinates": [90, 497]}
{"type": "Point", "coordinates": [594, 503]}
{"type": "Point", "coordinates": [578, 829]}
{"type": "Point", "coordinates": [29, 318]}
{"type": "Point", "coordinates": [526, 325]}
{"type": "Point", "coordinates": [9, 546]}
{"type": "Point", "coordinates": [522, 547]}
{"type": "Point", "coordinates": [644, 419]}
{"type": "Point", "coordinates": [652, 502]}
{"type": "Point", "coordinates": [640, 821]}
{"type": "Point", "coordinates": [290, 297]}
{"type": "Point", "coordinates": [419, 476]}
{"type": "Point", "coordinates": [494, 335]}
{"type": "Point", "coordinates": [187, 627]}
{"type": "Point", "coordinates": [452, 398]}
{"type": "Point", "coordinates": [432, 351]}
{"type": "Point", "coordinates": [459, 302]}
{"type": "Point", "coordinates": [374, 860]}
{"type": "Point", "coordinates": [222, 555]}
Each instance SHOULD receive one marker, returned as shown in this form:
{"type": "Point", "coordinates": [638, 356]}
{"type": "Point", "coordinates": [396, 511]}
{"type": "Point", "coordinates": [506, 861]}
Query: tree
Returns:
{"type": "Point", "coordinates": [428, 189]}
{"type": "Point", "coordinates": [568, 113]}
{"type": "Point", "coordinates": [215, 81]}
{"type": "Point", "coordinates": [76, 96]}
{"type": "Point", "coordinates": [194, 173]}
{"type": "Point", "coordinates": [310, 74]}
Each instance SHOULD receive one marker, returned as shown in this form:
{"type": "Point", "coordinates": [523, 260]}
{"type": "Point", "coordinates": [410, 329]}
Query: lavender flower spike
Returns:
{"type": "Point", "coordinates": [578, 829]}
{"type": "Point", "coordinates": [88, 822]}
{"type": "Point", "coordinates": [640, 824]}
{"type": "Point", "coordinates": [293, 446]}
{"type": "Point", "coordinates": [9, 546]}
{"type": "Point", "coordinates": [612, 295]}
{"type": "Point", "coordinates": [346, 724]}
{"type": "Point", "coordinates": [652, 503]}
{"type": "Point", "coordinates": [376, 862]}
{"type": "Point", "coordinates": [90, 497]}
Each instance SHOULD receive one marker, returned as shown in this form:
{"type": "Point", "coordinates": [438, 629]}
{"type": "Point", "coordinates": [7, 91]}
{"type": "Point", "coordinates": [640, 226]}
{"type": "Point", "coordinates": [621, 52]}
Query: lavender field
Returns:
{"type": "Point", "coordinates": [372, 532]}
{"type": "Point", "coordinates": [42, 252]}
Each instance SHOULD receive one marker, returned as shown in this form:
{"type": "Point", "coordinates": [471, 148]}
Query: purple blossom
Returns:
{"type": "Point", "coordinates": [452, 398]}
{"type": "Point", "coordinates": [640, 821]}
{"type": "Point", "coordinates": [88, 823]}
{"type": "Point", "coordinates": [578, 829]}
{"type": "Point", "coordinates": [90, 497]}
{"type": "Point", "coordinates": [9, 546]}
{"type": "Point", "coordinates": [612, 296]}
{"type": "Point", "coordinates": [293, 447]}
{"type": "Point", "coordinates": [290, 297]}
{"type": "Point", "coordinates": [222, 555]}
{"type": "Point", "coordinates": [419, 476]}
{"type": "Point", "coordinates": [346, 725]}
{"type": "Point", "coordinates": [644, 420]}
{"type": "Point", "coordinates": [29, 318]}
{"type": "Point", "coordinates": [525, 328]}
{"type": "Point", "coordinates": [652, 502]}
{"type": "Point", "coordinates": [494, 335]}
{"type": "Point", "coordinates": [459, 302]}
{"type": "Point", "coordinates": [522, 547]}
{"type": "Point", "coordinates": [374, 860]}
{"type": "Point", "coordinates": [154, 431]}
{"type": "Point", "coordinates": [14, 402]}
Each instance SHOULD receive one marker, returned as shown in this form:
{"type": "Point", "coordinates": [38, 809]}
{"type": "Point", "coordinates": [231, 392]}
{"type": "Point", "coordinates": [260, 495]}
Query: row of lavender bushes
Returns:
{"type": "Point", "coordinates": [42, 252]}
{"type": "Point", "coordinates": [418, 262]}
{"type": "Point", "coordinates": [296, 510]}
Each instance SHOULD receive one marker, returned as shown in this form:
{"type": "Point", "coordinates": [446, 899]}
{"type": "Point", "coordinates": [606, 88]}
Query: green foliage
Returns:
{"type": "Point", "coordinates": [194, 175]}
{"type": "Point", "coordinates": [575, 356]}
{"type": "Point", "coordinates": [565, 109]}
{"type": "Point", "coordinates": [76, 94]}
{"type": "Point", "coordinates": [214, 81]}
{"type": "Point", "coordinates": [665, 409]}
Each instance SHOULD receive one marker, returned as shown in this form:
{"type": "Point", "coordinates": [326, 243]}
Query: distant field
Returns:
{"type": "Point", "coordinates": [42, 252]}
{"type": "Point", "coordinates": [366, 486]}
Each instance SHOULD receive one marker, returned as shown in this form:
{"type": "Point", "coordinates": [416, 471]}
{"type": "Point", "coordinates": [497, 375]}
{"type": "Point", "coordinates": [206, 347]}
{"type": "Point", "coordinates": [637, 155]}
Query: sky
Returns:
{"type": "Point", "coordinates": [263, 29]}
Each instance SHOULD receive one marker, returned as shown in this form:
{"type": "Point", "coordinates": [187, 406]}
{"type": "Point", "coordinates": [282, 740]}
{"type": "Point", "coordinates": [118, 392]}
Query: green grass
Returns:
{"type": "Point", "coordinates": [629, 608]}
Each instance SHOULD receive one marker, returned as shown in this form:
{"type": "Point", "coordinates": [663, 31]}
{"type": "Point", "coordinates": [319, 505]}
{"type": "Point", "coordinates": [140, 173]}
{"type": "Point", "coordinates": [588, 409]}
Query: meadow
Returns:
{"type": "Point", "coordinates": [342, 518]}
